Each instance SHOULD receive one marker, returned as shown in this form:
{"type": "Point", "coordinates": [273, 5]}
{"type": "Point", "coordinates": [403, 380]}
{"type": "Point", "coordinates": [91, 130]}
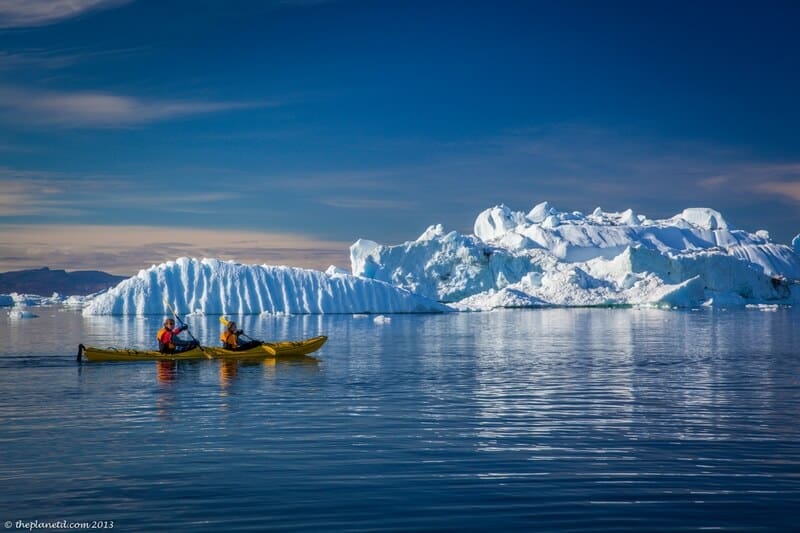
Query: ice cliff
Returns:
{"type": "Point", "coordinates": [552, 257]}
{"type": "Point", "coordinates": [213, 286]}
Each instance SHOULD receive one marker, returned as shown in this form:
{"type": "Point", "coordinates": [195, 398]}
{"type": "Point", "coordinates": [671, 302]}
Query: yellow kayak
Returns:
{"type": "Point", "coordinates": [266, 350]}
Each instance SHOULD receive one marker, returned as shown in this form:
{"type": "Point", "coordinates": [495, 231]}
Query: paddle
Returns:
{"type": "Point", "coordinates": [186, 327]}
{"type": "Point", "coordinates": [267, 348]}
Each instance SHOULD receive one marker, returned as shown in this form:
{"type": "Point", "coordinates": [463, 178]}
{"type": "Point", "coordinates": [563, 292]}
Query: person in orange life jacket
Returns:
{"type": "Point", "coordinates": [230, 339]}
{"type": "Point", "coordinates": [168, 341]}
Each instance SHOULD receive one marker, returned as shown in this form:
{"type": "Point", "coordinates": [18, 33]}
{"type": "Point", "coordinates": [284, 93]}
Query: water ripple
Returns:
{"type": "Point", "coordinates": [547, 420]}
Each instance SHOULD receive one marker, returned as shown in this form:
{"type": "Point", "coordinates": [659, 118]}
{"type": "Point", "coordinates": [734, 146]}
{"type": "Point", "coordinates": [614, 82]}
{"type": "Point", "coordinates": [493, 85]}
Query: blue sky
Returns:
{"type": "Point", "coordinates": [135, 131]}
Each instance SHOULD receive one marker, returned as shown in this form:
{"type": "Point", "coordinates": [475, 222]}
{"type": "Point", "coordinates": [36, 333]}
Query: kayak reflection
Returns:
{"type": "Point", "coordinates": [227, 372]}
{"type": "Point", "coordinates": [168, 371]}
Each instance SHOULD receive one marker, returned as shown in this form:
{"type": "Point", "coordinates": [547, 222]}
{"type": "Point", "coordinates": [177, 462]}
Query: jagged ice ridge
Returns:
{"type": "Point", "coordinates": [550, 257]}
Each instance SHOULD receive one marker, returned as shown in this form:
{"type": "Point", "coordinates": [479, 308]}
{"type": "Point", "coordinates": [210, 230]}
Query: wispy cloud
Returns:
{"type": "Point", "coordinates": [127, 249]}
{"type": "Point", "coordinates": [97, 109]}
{"type": "Point", "coordinates": [38, 192]}
{"type": "Point", "coordinates": [28, 13]}
{"type": "Point", "coordinates": [786, 189]}
{"type": "Point", "coordinates": [31, 199]}
{"type": "Point", "coordinates": [57, 58]}
{"type": "Point", "coordinates": [366, 203]}
{"type": "Point", "coordinates": [780, 180]}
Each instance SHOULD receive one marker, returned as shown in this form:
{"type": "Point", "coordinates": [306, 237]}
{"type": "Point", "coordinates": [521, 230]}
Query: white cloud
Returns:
{"type": "Point", "coordinates": [27, 13]}
{"type": "Point", "coordinates": [103, 109]}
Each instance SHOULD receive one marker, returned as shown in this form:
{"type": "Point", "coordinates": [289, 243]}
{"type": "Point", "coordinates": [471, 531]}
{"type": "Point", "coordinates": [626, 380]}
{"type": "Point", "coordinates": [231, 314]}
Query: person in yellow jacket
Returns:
{"type": "Point", "coordinates": [230, 339]}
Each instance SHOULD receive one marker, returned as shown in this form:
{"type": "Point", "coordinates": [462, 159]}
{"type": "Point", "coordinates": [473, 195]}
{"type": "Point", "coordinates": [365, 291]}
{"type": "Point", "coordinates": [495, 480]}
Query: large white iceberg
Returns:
{"type": "Point", "coordinates": [514, 259]}
{"type": "Point", "coordinates": [551, 257]}
{"type": "Point", "coordinates": [212, 286]}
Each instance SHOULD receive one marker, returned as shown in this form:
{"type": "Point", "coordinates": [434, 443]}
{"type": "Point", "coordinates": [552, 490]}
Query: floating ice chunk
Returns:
{"type": "Point", "coordinates": [380, 319]}
{"type": "Point", "coordinates": [504, 298]}
{"type": "Point", "coordinates": [21, 313]}
{"type": "Point", "coordinates": [764, 307]}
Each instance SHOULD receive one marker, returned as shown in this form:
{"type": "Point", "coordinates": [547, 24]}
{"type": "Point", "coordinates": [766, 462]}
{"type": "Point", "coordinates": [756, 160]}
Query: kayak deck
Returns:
{"type": "Point", "coordinates": [266, 350]}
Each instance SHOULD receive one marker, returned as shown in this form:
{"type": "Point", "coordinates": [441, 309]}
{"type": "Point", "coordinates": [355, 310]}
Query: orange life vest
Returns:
{"type": "Point", "coordinates": [164, 337]}
{"type": "Point", "coordinates": [230, 339]}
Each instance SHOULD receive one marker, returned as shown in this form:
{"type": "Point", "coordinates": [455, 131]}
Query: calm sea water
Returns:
{"type": "Point", "coordinates": [545, 420]}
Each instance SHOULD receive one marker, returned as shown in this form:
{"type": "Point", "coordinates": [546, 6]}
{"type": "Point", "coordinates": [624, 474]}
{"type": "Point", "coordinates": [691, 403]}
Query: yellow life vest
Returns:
{"type": "Point", "coordinates": [229, 339]}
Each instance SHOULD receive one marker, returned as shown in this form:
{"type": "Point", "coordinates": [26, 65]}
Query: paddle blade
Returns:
{"type": "Point", "coordinates": [223, 320]}
{"type": "Point", "coordinates": [269, 349]}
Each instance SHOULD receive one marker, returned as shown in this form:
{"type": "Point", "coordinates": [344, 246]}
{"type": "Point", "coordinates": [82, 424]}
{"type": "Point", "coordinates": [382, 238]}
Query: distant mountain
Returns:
{"type": "Point", "coordinates": [45, 281]}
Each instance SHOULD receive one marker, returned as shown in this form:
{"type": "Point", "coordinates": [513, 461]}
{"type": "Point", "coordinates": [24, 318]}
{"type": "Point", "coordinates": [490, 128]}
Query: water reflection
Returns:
{"type": "Point", "coordinates": [543, 419]}
{"type": "Point", "coordinates": [166, 371]}
{"type": "Point", "coordinates": [227, 373]}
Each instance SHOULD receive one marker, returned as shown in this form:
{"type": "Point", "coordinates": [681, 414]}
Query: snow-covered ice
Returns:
{"type": "Point", "coordinates": [212, 286]}
{"type": "Point", "coordinates": [552, 257]}
{"type": "Point", "coordinates": [542, 257]}
{"type": "Point", "coordinates": [34, 300]}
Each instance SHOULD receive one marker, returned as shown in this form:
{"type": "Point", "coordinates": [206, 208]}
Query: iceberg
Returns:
{"type": "Point", "coordinates": [35, 300]}
{"type": "Point", "coordinates": [216, 287]}
{"type": "Point", "coordinates": [545, 257]}
{"type": "Point", "coordinates": [21, 313]}
{"type": "Point", "coordinates": [552, 257]}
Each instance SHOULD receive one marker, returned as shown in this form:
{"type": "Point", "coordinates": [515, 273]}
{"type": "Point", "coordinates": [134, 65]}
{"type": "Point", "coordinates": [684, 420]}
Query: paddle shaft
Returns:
{"type": "Point", "coordinates": [185, 326]}
{"type": "Point", "coordinates": [269, 349]}
{"type": "Point", "coordinates": [225, 323]}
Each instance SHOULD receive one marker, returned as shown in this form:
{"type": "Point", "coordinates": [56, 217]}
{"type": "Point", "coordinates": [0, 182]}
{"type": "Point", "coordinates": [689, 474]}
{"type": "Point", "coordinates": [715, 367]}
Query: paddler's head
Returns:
{"type": "Point", "coordinates": [231, 326]}
{"type": "Point", "coordinates": [169, 323]}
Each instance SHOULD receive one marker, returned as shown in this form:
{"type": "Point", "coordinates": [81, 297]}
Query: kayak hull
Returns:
{"type": "Point", "coordinates": [264, 351]}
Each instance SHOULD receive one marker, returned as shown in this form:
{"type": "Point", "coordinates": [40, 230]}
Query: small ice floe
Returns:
{"type": "Point", "coordinates": [75, 302]}
{"type": "Point", "coordinates": [769, 308]}
{"type": "Point", "coordinates": [380, 319]}
{"type": "Point", "coordinates": [360, 315]}
{"type": "Point", "coordinates": [273, 314]}
{"type": "Point", "coordinates": [22, 313]}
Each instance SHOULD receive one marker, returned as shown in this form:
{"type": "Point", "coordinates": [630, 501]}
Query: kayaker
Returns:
{"type": "Point", "coordinates": [230, 339]}
{"type": "Point", "coordinates": [168, 341]}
